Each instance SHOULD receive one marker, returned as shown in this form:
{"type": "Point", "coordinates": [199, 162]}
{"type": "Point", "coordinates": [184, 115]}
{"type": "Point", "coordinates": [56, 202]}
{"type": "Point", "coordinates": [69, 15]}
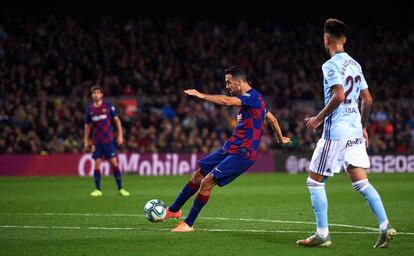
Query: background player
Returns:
{"type": "Point", "coordinates": [344, 139]}
{"type": "Point", "coordinates": [98, 119]}
{"type": "Point", "coordinates": [238, 153]}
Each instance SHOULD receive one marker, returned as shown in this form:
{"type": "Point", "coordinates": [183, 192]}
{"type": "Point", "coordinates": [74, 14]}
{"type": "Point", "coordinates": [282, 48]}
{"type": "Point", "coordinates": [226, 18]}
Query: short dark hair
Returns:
{"type": "Point", "coordinates": [236, 72]}
{"type": "Point", "coordinates": [96, 87]}
{"type": "Point", "coordinates": [335, 27]}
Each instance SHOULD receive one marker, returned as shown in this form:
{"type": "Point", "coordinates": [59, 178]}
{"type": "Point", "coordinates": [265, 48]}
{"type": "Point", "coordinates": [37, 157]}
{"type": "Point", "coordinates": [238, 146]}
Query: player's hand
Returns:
{"type": "Point", "coordinates": [285, 140]}
{"type": "Point", "coordinates": [193, 92]}
{"type": "Point", "coordinates": [365, 135]}
{"type": "Point", "coordinates": [89, 147]}
{"type": "Point", "coordinates": [313, 122]}
{"type": "Point", "coordinates": [120, 140]}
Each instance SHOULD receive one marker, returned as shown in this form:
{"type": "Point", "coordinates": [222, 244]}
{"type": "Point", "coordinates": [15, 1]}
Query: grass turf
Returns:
{"type": "Point", "coordinates": [258, 214]}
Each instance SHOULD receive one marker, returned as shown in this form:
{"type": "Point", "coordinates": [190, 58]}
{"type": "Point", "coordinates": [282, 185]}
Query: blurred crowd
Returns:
{"type": "Point", "coordinates": [48, 65]}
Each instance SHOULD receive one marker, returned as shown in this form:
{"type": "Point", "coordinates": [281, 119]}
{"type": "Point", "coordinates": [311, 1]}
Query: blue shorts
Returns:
{"type": "Point", "coordinates": [224, 166]}
{"type": "Point", "coordinates": [104, 150]}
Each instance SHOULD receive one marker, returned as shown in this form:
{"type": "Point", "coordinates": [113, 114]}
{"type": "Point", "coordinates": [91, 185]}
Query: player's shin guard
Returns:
{"type": "Point", "coordinates": [373, 199]}
{"type": "Point", "coordinates": [118, 178]}
{"type": "Point", "coordinates": [320, 205]}
{"type": "Point", "coordinates": [97, 178]}
{"type": "Point", "coordinates": [188, 191]}
{"type": "Point", "coordinates": [199, 203]}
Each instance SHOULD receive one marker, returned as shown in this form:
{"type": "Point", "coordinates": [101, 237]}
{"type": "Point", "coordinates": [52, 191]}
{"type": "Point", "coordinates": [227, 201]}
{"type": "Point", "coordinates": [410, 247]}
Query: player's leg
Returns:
{"type": "Point", "coordinates": [118, 176]}
{"type": "Point", "coordinates": [200, 201]}
{"type": "Point", "coordinates": [97, 178]}
{"type": "Point", "coordinates": [359, 179]}
{"type": "Point", "coordinates": [206, 165]}
{"type": "Point", "coordinates": [319, 169]}
{"type": "Point", "coordinates": [316, 187]}
{"type": "Point", "coordinates": [110, 153]}
{"type": "Point", "coordinates": [225, 172]}
{"type": "Point", "coordinates": [97, 156]}
{"type": "Point", "coordinates": [174, 211]}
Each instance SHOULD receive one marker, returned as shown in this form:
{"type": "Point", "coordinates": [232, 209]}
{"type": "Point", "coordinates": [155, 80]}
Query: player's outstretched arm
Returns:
{"type": "Point", "coordinates": [338, 96]}
{"type": "Point", "coordinates": [272, 120]}
{"type": "Point", "coordinates": [217, 99]}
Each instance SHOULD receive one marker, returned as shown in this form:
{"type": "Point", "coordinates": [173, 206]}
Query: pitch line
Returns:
{"type": "Point", "coordinates": [201, 229]}
{"type": "Point", "coordinates": [207, 218]}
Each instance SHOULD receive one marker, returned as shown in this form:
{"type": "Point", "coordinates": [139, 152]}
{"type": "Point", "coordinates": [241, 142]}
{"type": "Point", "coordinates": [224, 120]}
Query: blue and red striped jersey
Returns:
{"type": "Point", "coordinates": [246, 136]}
{"type": "Point", "coordinates": [101, 119]}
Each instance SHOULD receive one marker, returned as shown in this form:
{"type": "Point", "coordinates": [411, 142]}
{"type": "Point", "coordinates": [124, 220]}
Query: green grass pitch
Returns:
{"type": "Point", "coordinates": [258, 214]}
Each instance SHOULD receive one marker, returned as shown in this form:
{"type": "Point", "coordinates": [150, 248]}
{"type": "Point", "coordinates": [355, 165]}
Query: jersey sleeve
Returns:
{"type": "Point", "coordinates": [364, 84]}
{"type": "Point", "coordinates": [88, 118]}
{"type": "Point", "coordinates": [112, 111]}
{"type": "Point", "coordinates": [331, 75]}
{"type": "Point", "coordinates": [249, 100]}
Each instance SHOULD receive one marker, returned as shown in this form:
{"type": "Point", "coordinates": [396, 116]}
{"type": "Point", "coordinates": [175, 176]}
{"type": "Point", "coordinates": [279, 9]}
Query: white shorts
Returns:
{"type": "Point", "coordinates": [334, 156]}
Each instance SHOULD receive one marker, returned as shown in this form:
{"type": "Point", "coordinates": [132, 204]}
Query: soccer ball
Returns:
{"type": "Point", "coordinates": [155, 210]}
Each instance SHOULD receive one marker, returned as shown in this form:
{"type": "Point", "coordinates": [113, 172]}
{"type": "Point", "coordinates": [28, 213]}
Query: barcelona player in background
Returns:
{"type": "Point", "coordinates": [237, 154]}
{"type": "Point", "coordinates": [98, 119]}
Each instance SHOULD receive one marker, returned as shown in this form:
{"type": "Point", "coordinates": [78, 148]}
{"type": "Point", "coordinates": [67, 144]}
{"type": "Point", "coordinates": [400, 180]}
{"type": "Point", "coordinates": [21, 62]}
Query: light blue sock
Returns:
{"type": "Point", "coordinates": [319, 204]}
{"type": "Point", "coordinates": [373, 199]}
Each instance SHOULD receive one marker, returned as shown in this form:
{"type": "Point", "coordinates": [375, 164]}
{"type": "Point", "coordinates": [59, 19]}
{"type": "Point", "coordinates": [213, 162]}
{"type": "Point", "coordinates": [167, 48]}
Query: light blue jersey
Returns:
{"type": "Point", "coordinates": [345, 121]}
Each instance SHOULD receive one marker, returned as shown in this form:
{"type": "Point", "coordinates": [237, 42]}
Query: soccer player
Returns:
{"type": "Point", "coordinates": [98, 120]}
{"type": "Point", "coordinates": [238, 153]}
{"type": "Point", "coordinates": [344, 139]}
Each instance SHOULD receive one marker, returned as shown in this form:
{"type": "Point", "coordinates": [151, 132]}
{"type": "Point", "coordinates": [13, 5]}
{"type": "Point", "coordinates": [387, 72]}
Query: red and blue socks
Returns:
{"type": "Point", "coordinates": [199, 203]}
{"type": "Point", "coordinates": [188, 191]}
{"type": "Point", "coordinates": [118, 177]}
{"type": "Point", "coordinates": [97, 178]}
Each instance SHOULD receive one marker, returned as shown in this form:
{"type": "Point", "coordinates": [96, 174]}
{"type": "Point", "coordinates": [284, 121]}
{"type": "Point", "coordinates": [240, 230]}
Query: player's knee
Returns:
{"type": "Point", "coordinates": [197, 177]}
{"type": "Point", "coordinates": [311, 183]}
{"type": "Point", "coordinates": [360, 185]}
{"type": "Point", "coordinates": [114, 162]}
{"type": "Point", "coordinates": [97, 164]}
{"type": "Point", "coordinates": [207, 183]}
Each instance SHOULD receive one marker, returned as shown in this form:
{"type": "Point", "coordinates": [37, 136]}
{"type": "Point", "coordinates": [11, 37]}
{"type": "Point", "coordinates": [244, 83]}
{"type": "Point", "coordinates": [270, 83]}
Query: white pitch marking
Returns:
{"type": "Point", "coordinates": [208, 218]}
{"type": "Point", "coordinates": [201, 229]}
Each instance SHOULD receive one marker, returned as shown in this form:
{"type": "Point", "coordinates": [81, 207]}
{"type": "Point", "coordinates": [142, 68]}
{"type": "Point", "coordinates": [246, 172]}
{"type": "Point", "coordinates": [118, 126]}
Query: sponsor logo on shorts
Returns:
{"type": "Point", "coordinates": [351, 143]}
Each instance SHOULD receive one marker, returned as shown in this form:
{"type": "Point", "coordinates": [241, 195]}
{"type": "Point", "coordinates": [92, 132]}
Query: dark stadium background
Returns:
{"type": "Point", "coordinates": [144, 54]}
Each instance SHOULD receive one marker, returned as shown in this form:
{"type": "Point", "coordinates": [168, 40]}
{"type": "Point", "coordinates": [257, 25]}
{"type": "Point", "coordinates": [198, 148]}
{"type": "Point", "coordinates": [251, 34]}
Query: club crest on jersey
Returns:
{"type": "Point", "coordinates": [331, 73]}
{"type": "Point", "coordinates": [104, 110]}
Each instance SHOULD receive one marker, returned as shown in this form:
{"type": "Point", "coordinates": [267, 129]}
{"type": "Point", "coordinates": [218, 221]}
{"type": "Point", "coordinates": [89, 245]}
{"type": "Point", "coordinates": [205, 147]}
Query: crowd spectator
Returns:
{"type": "Point", "coordinates": [47, 67]}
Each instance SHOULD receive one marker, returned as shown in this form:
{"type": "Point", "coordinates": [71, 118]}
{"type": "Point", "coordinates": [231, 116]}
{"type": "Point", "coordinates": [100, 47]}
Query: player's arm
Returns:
{"type": "Point", "coordinates": [87, 142]}
{"type": "Point", "coordinates": [366, 105]}
{"type": "Point", "coordinates": [272, 120]}
{"type": "Point", "coordinates": [338, 96]}
{"type": "Point", "coordinates": [120, 135]}
{"type": "Point", "coordinates": [217, 99]}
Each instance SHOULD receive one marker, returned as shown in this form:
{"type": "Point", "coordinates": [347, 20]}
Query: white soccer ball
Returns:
{"type": "Point", "coordinates": [155, 210]}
